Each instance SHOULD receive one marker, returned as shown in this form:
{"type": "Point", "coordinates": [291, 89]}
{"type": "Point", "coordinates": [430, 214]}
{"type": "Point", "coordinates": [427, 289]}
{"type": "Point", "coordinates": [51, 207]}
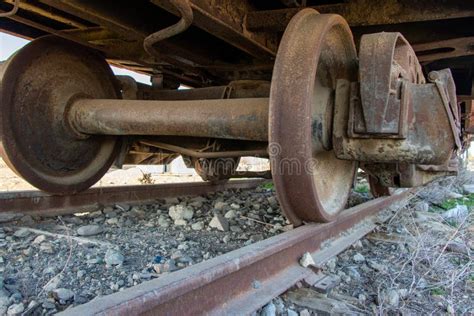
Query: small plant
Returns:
{"type": "Point", "coordinates": [362, 188]}
{"type": "Point", "coordinates": [146, 178]}
{"type": "Point", "coordinates": [467, 200]}
{"type": "Point", "coordinates": [438, 291]}
{"type": "Point", "coordinates": [268, 185]}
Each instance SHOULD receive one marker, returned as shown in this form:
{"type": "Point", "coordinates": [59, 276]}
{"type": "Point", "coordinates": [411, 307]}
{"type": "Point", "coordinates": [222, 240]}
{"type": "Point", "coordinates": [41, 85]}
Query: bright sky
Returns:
{"type": "Point", "coordinates": [10, 44]}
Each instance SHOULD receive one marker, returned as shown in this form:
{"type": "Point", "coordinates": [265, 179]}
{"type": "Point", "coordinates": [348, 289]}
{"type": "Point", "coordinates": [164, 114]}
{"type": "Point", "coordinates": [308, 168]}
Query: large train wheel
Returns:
{"type": "Point", "coordinates": [37, 85]}
{"type": "Point", "coordinates": [315, 51]}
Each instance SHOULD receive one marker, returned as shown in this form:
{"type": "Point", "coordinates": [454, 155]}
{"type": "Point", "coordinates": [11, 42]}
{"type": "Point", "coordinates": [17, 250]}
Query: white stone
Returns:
{"type": "Point", "coordinates": [359, 257]}
{"type": "Point", "coordinates": [393, 298]}
{"type": "Point", "coordinates": [389, 297]}
{"type": "Point", "coordinates": [39, 239]}
{"type": "Point", "coordinates": [307, 260]}
{"type": "Point", "coordinates": [357, 245]}
{"type": "Point", "coordinates": [219, 205]}
{"type": "Point", "coordinates": [305, 312]}
{"type": "Point", "coordinates": [457, 213]}
{"type": "Point", "coordinates": [468, 189]}
{"type": "Point", "coordinates": [230, 214]}
{"type": "Point", "coordinates": [377, 266]}
{"type": "Point", "coordinates": [291, 312]}
{"type": "Point", "coordinates": [197, 226]}
{"type": "Point", "coordinates": [4, 301]}
{"type": "Point", "coordinates": [52, 284]}
{"type": "Point", "coordinates": [113, 257]}
{"type": "Point", "coordinates": [272, 201]}
{"type": "Point", "coordinates": [422, 207]}
{"type": "Point", "coordinates": [63, 294]}
{"type": "Point", "coordinates": [235, 206]}
{"type": "Point", "coordinates": [16, 309]}
{"type": "Point", "coordinates": [454, 195]}
{"type": "Point", "coordinates": [163, 221]}
{"type": "Point", "coordinates": [331, 264]}
{"type": "Point", "coordinates": [450, 309]}
{"type": "Point", "coordinates": [89, 230]}
{"type": "Point", "coordinates": [180, 222]}
{"type": "Point", "coordinates": [177, 212]}
{"type": "Point", "coordinates": [112, 221]}
{"type": "Point", "coordinates": [219, 222]}
{"type": "Point", "coordinates": [22, 232]}
{"type": "Point", "coordinates": [268, 310]}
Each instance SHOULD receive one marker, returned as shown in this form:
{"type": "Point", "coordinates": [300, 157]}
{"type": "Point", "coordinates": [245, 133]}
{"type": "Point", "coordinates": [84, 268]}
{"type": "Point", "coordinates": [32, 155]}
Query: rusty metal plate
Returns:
{"type": "Point", "coordinates": [37, 85]}
{"type": "Point", "coordinates": [315, 51]}
{"type": "Point", "coordinates": [385, 61]}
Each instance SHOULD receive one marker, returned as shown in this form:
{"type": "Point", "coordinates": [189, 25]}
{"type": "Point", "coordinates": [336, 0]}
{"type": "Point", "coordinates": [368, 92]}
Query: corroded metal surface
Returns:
{"type": "Point", "coordinates": [376, 188]}
{"type": "Point", "coordinates": [244, 119]}
{"type": "Point", "coordinates": [315, 51]}
{"type": "Point", "coordinates": [429, 138]}
{"type": "Point", "coordinates": [186, 14]}
{"type": "Point", "coordinates": [386, 60]}
{"type": "Point", "coordinates": [231, 39]}
{"type": "Point", "coordinates": [239, 282]}
{"type": "Point", "coordinates": [363, 12]}
{"type": "Point", "coordinates": [37, 85]}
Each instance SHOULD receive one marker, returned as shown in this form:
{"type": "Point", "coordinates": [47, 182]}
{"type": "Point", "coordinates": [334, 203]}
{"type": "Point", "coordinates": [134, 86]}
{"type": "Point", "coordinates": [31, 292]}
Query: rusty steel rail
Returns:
{"type": "Point", "coordinates": [243, 280]}
{"type": "Point", "coordinates": [29, 202]}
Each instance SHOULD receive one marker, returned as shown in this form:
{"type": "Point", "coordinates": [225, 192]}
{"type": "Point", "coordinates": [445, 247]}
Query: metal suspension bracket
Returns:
{"type": "Point", "coordinates": [403, 130]}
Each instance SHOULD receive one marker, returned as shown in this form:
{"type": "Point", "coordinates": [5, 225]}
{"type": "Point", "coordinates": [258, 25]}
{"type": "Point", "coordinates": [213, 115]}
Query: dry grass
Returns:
{"type": "Point", "coordinates": [434, 271]}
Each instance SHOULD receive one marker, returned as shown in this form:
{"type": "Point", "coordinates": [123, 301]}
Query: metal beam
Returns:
{"type": "Point", "coordinates": [444, 49]}
{"type": "Point", "coordinates": [215, 18]}
{"type": "Point", "coordinates": [368, 12]}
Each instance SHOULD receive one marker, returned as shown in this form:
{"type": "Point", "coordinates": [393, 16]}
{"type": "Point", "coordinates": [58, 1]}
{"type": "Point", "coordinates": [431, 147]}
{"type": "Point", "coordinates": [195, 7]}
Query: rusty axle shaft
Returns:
{"type": "Point", "coordinates": [243, 119]}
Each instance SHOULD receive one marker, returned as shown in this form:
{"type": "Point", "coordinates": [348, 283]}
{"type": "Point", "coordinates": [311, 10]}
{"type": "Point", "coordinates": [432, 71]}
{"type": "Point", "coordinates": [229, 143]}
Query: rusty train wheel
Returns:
{"type": "Point", "coordinates": [315, 51]}
{"type": "Point", "coordinates": [37, 85]}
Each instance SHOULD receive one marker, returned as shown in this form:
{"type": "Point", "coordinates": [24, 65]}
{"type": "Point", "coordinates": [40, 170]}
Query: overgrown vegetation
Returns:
{"type": "Point", "coordinates": [268, 185]}
{"type": "Point", "coordinates": [362, 188]}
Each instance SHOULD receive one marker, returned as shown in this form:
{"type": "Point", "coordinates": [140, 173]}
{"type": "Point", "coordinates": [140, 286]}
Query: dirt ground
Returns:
{"type": "Point", "coordinates": [130, 175]}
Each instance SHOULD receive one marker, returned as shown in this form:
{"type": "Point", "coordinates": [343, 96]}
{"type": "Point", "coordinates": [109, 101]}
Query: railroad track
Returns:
{"type": "Point", "coordinates": [32, 202]}
{"type": "Point", "coordinates": [241, 281]}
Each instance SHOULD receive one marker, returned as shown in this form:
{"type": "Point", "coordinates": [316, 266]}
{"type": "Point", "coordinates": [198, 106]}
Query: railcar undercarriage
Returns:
{"type": "Point", "coordinates": [318, 87]}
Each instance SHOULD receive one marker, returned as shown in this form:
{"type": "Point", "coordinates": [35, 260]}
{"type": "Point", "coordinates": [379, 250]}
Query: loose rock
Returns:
{"type": "Point", "coordinates": [63, 295]}
{"type": "Point", "coordinates": [219, 222]}
{"type": "Point", "coordinates": [307, 260]}
{"type": "Point", "coordinates": [21, 233]}
{"type": "Point", "coordinates": [89, 230]}
{"type": "Point", "coordinates": [197, 226]}
{"type": "Point", "coordinates": [268, 310]}
{"type": "Point", "coordinates": [230, 214]}
{"type": "Point", "coordinates": [113, 257]}
{"type": "Point", "coordinates": [15, 309]}
{"type": "Point", "coordinates": [468, 189]}
{"type": "Point", "coordinates": [9, 217]}
{"type": "Point", "coordinates": [359, 257]}
{"type": "Point", "coordinates": [180, 212]}
{"type": "Point", "coordinates": [456, 214]}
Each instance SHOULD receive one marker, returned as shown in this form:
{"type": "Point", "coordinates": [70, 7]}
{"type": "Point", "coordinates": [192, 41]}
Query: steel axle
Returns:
{"type": "Point", "coordinates": [242, 119]}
